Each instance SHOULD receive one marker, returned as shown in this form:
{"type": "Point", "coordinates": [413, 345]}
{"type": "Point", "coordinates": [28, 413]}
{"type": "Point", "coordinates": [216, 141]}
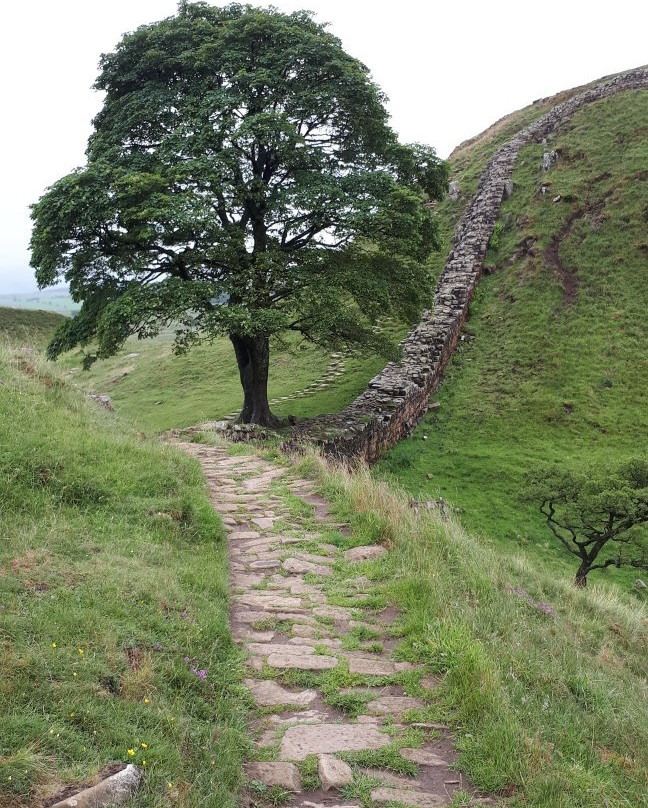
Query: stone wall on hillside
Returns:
{"type": "Point", "coordinates": [397, 397]}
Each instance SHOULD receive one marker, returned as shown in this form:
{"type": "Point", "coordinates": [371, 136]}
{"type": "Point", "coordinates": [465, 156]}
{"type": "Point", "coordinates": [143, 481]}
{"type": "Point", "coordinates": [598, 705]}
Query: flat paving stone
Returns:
{"type": "Point", "coordinates": [269, 564]}
{"type": "Point", "coordinates": [270, 602]}
{"type": "Point", "coordinates": [263, 649]}
{"type": "Point", "coordinates": [298, 587]}
{"type": "Point", "coordinates": [415, 799]}
{"type": "Point", "coordinates": [392, 705]}
{"type": "Point", "coordinates": [298, 566]}
{"type": "Point", "coordinates": [255, 664]}
{"type": "Point", "coordinates": [424, 757]}
{"type": "Point", "coordinates": [255, 636]}
{"type": "Point", "coordinates": [300, 742]}
{"type": "Point", "coordinates": [365, 553]}
{"type": "Point", "coordinates": [368, 719]}
{"type": "Point", "coordinates": [302, 662]}
{"type": "Point", "coordinates": [250, 616]}
{"type": "Point", "coordinates": [304, 631]}
{"type": "Point", "coordinates": [333, 772]}
{"type": "Point", "coordinates": [264, 543]}
{"type": "Point", "coordinates": [242, 535]}
{"type": "Point", "coordinates": [246, 580]}
{"type": "Point", "coordinates": [226, 507]}
{"type": "Point", "coordinates": [264, 522]}
{"type": "Point", "coordinates": [371, 667]}
{"type": "Point", "coordinates": [267, 693]}
{"type": "Point", "coordinates": [285, 775]}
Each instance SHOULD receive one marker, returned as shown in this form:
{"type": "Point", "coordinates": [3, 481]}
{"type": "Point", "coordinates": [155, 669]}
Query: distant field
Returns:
{"type": "Point", "coordinates": [44, 301]}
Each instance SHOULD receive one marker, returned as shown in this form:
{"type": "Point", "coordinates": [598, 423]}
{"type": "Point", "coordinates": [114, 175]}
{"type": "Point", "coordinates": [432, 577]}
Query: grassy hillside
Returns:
{"type": "Point", "coordinates": [23, 326]}
{"type": "Point", "coordinates": [158, 390]}
{"type": "Point", "coordinates": [113, 584]}
{"type": "Point", "coordinates": [554, 362]}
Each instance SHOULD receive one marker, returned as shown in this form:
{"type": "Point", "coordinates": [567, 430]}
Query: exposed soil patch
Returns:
{"type": "Point", "coordinates": [565, 273]}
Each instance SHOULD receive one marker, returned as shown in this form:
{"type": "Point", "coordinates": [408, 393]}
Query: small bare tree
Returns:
{"type": "Point", "coordinates": [597, 515]}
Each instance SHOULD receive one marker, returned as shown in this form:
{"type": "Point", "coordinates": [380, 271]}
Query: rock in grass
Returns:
{"type": "Point", "coordinates": [333, 772]}
{"type": "Point", "coordinates": [364, 553]}
{"type": "Point", "coordinates": [114, 790]}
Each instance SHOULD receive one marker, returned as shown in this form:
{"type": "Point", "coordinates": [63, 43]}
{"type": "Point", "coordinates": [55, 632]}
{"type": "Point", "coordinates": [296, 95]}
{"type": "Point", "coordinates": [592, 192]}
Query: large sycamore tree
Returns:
{"type": "Point", "coordinates": [242, 180]}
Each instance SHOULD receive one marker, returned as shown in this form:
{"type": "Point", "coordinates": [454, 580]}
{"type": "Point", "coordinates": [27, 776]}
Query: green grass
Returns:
{"type": "Point", "coordinates": [540, 380]}
{"type": "Point", "coordinates": [547, 709]}
{"type": "Point", "coordinates": [113, 584]}
{"type": "Point", "coordinates": [158, 391]}
{"type": "Point", "coordinates": [22, 326]}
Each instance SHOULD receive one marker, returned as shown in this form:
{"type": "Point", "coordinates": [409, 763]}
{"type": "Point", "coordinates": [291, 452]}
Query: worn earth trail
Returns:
{"type": "Point", "coordinates": [340, 722]}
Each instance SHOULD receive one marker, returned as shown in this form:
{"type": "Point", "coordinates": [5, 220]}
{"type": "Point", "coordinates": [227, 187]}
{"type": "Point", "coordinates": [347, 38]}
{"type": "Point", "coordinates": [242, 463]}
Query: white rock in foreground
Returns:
{"type": "Point", "coordinates": [114, 790]}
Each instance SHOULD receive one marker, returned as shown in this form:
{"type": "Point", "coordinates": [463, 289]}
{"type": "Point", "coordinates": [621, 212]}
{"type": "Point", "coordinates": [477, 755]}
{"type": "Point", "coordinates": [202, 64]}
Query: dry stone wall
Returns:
{"type": "Point", "coordinates": [397, 397]}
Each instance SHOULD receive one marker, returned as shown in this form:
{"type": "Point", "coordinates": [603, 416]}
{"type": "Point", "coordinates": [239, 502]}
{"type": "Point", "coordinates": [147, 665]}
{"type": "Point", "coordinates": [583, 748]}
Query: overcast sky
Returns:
{"type": "Point", "coordinates": [450, 69]}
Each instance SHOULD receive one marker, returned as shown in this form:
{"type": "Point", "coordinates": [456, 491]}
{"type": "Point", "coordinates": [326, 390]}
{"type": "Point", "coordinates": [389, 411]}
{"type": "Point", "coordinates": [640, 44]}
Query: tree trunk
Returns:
{"type": "Point", "coordinates": [253, 358]}
{"type": "Point", "coordinates": [581, 575]}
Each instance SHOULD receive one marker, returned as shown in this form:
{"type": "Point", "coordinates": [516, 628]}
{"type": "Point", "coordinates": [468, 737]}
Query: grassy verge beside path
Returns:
{"type": "Point", "coordinates": [544, 684]}
{"type": "Point", "coordinates": [113, 606]}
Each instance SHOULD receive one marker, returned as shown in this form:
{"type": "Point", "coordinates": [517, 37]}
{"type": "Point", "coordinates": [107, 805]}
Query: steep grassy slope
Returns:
{"type": "Point", "coordinates": [113, 597]}
{"type": "Point", "coordinates": [24, 326]}
{"type": "Point", "coordinates": [553, 366]}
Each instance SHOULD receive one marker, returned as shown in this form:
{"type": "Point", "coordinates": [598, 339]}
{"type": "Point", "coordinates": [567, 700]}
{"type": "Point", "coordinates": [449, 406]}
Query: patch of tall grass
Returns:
{"type": "Point", "coordinates": [543, 683]}
{"type": "Point", "coordinates": [113, 592]}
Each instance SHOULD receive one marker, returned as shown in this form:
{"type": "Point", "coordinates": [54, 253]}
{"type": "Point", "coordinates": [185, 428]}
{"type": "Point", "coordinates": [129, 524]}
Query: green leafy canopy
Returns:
{"type": "Point", "coordinates": [242, 178]}
{"type": "Point", "coordinates": [599, 514]}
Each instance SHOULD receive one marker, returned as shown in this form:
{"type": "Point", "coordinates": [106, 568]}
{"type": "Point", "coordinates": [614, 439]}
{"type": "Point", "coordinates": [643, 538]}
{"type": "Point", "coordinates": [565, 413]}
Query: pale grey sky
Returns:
{"type": "Point", "coordinates": [450, 69]}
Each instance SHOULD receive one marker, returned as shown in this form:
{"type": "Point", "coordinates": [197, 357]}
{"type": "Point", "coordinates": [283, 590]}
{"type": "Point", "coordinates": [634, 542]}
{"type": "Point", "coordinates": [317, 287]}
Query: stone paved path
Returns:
{"type": "Point", "coordinates": [309, 658]}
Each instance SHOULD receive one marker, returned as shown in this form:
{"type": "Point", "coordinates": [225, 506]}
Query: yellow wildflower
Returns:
{"type": "Point", "coordinates": [131, 752]}
{"type": "Point", "coordinates": [53, 645]}
{"type": "Point", "coordinates": [169, 784]}
{"type": "Point", "coordinates": [144, 745]}
{"type": "Point", "coordinates": [81, 652]}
